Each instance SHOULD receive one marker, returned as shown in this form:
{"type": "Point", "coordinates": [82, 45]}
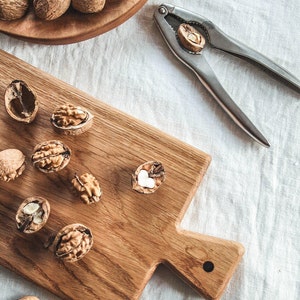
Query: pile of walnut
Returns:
{"type": "Point", "coordinates": [47, 9]}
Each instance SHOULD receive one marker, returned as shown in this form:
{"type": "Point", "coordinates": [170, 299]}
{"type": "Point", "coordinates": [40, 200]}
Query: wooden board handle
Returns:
{"type": "Point", "coordinates": [205, 263]}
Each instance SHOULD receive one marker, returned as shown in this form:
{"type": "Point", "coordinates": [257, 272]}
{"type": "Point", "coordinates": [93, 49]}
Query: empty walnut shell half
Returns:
{"type": "Point", "coordinates": [12, 164]}
{"type": "Point", "coordinates": [21, 102]}
{"type": "Point", "coordinates": [32, 214]}
{"type": "Point", "coordinates": [88, 188]}
{"type": "Point", "coordinates": [51, 156]}
{"type": "Point", "coordinates": [148, 177]}
{"type": "Point", "coordinates": [72, 242]}
{"type": "Point", "coordinates": [71, 120]}
{"type": "Point", "coordinates": [190, 38]}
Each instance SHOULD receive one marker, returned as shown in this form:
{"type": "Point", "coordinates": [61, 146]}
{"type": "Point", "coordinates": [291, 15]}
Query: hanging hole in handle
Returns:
{"type": "Point", "coordinates": [208, 266]}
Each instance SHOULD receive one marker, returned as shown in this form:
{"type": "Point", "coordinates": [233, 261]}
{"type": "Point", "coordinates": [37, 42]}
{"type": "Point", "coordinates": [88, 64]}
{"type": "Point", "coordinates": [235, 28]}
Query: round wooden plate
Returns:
{"type": "Point", "coordinates": [73, 26]}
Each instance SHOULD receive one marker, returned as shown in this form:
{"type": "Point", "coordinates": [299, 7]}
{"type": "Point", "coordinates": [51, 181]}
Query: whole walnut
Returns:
{"type": "Point", "coordinates": [13, 9]}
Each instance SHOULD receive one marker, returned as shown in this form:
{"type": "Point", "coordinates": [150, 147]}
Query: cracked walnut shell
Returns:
{"type": "Point", "coordinates": [51, 156]}
{"type": "Point", "coordinates": [12, 164]}
{"type": "Point", "coordinates": [148, 177]}
{"type": "Point", "coordinates": [20, 102]}
{"type": "Point", "coordinates": [73, 242]}
{"type": "Point", "coordinates": [87, 186]}
{"type": "Point", "coordinates": [71, 120]}
{"type": "Point", "coordinates": [32, 214]}
{"type": "Point", "coordinates": [190, 38]}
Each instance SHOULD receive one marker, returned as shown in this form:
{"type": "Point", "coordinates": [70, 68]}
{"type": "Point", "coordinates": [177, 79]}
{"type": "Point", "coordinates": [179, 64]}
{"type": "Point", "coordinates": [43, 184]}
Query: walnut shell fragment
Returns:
{"type": "Point", "coordinates": [32, 214]}
{"type": "Point", "coordinates": [50, 9]}
{"type": "Point", "coordinates": [148, 177]}
{"type": "Point", "coordinates": [51, 156]}
{"type": "Point", "coordinates": [13, 9]}
{"type": "Point", "coordinates": [29, 298]}
{"type": "Point", "coordinates": [12, 164]}
{"type": "Point", "coordinates": [88, 187]}
{"type": "Point", "coordinates": [72, 242]}
{"type": "Point", "coordinates": [88, 6]}
{"type": "Point", "coordinates": [21, 102]}
{"type": "Point", "coordinates": [71, 120]}
{"type": "Point", "coordinates": [190, 38]}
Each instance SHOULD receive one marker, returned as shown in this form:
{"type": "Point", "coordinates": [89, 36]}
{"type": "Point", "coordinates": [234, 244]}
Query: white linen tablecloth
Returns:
{"type": "Point", "coordinates": [250, 194]}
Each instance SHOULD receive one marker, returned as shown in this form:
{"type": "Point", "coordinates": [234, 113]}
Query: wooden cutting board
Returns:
{"type": "Point", "coordinates": [72, 26]}
{"type": "Point", "coordinates": [133, 232]}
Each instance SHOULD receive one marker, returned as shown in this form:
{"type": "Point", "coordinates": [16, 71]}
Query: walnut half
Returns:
{"type": "Point", "coordinates": [148, 177]}
{"type": "Point", "coordinates": [51, 156]}
{"type": "Point", "coordinates": [21, 102]}
{"type": "Point", "coordinates": [71, 120]}
{"type": "Point", "coordinates": [72, 242]}
{"type": "Point", "coordinates": [32, 214]}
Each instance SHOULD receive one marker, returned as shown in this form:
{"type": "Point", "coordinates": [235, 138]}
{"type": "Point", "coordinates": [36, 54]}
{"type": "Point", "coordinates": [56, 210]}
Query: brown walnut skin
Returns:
{"type": "Point", "coordinates": [155, 171]}
{"type": "Point", "coordinates": [21, 102]}
{"type": "Point", "coordinates": [31, 222]}
{"type": "Point", "coordinates": [13, 9]}
{"type": "Point", "coordinates": [12, 164]}
{"type": "Point", "coordinates": [50, 9]}
{"type": "Point", "coordinates": [88, 6]}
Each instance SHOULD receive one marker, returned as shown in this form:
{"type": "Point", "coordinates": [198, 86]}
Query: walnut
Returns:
{"type": "Point", "coordinates": [190, 38]}
{"type": "Point", "coordinates": [50, 9]}
{"type": "Point", "coordinates": [12, 164]}
{"type": "Point", "coordinates": [72, 242]}
{"type": "Point", "coordinates": [88, 6]}
{"type": "Point", "coordinates": [51, 156]}
{"type": "Point", "coordinates": [148, 177]}
{"type": "Point", "coordinates": [88, 188]}
{"type": "Point", "coordinates": [29, 298]}
{"type": "Point", "coordinates": [32, 214]}
{"type": "Point", "coordinates": [71, 120]}
{"type": "Point", "coordinates": [13, 9]}
{"type": "Point", "coordinates": [21, 102]}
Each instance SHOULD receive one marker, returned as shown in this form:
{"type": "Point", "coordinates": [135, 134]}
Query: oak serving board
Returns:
{"type": "Point", "coordinates": [133, 233]}
{"type": "Point", "coordinates": [72, 26]}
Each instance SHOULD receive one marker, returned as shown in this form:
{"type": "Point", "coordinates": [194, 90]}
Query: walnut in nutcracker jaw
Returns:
{"type": "Point", "coordinates": [71, 120]}
{"type": "Point", "coordinates": [32, 214]}
{"type": "Point", "coordinates": [148, 177]}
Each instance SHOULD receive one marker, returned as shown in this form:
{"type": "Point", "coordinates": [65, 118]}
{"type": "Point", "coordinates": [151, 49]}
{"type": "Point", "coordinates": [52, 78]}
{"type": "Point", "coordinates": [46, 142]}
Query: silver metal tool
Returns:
{"type": "Point", "coordinates": [168, 18]}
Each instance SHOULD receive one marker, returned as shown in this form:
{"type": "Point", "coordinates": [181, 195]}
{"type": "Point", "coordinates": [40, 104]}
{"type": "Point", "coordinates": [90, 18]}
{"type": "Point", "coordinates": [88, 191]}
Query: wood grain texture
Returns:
{"type": "Point", "coordinates": [133, 232]}
{"type": "Point", "coordinates": [72, 26]}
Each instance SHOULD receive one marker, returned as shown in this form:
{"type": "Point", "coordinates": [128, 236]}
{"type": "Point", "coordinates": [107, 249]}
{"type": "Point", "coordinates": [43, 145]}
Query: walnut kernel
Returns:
{"type": "Point", "coordinates": [71, 120]}
{"type": "Point", "coordinates": [21, 102]}
{"type": "Point", "coordinates": [32, 214]}
{"type": "Point", "coordinates": [148, 177]}
{"type": "Point", "coordinates": [88, 187]}
{"type": "Point", "coordinates": [12, 164]}
{"type": "Point", "coordinates": [51, 156]}
{"type": "Point", "coordinates": [190, 38]}
{"type": "Point", "coordinates": [29, 298]}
